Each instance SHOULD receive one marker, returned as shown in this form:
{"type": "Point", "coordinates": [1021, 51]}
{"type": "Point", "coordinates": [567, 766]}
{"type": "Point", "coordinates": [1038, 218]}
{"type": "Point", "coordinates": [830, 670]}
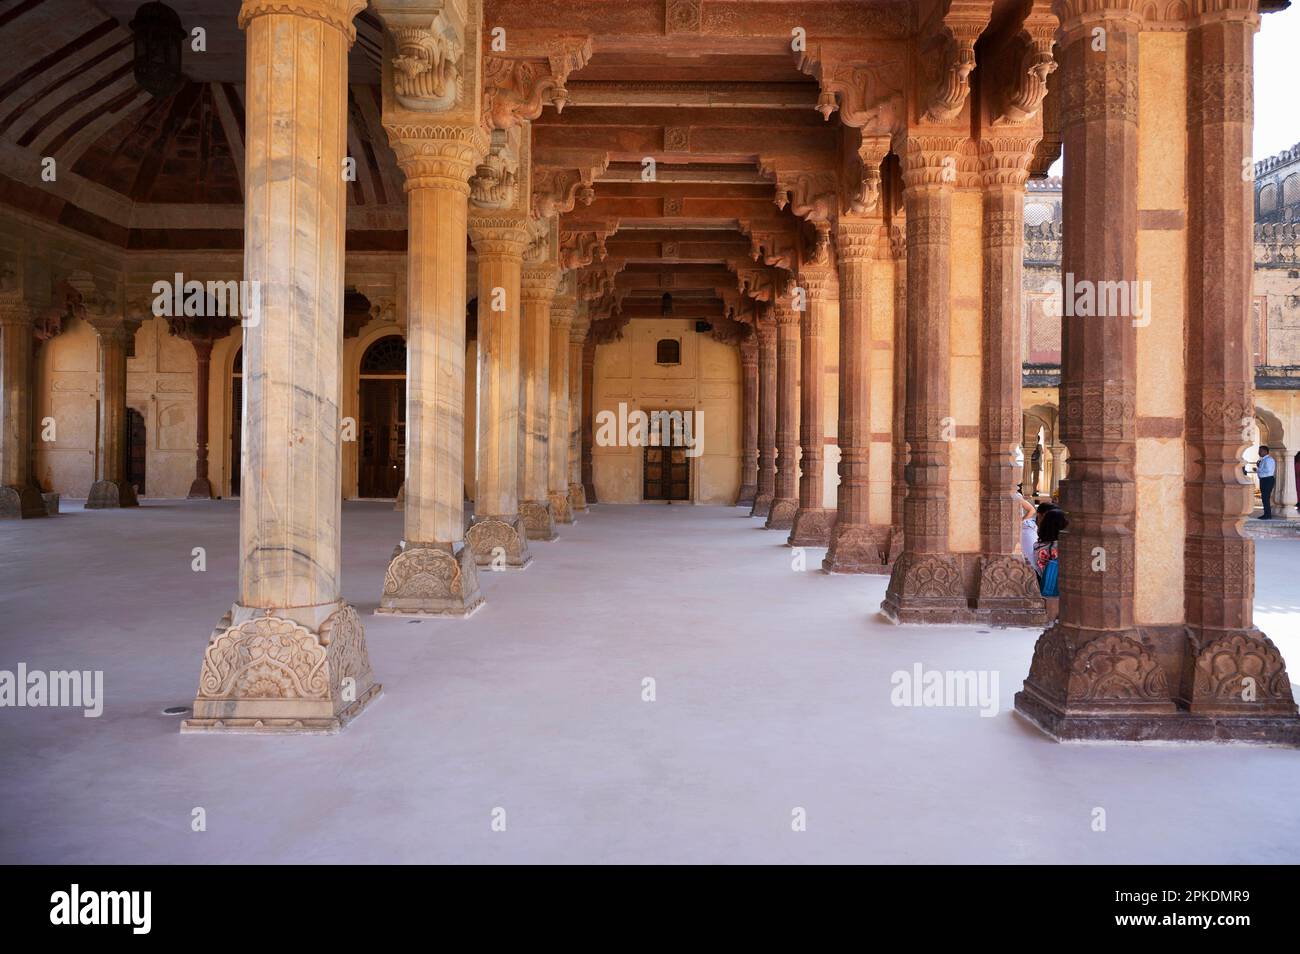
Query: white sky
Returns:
{"type": "Point", "coordinates": [1277, 84]}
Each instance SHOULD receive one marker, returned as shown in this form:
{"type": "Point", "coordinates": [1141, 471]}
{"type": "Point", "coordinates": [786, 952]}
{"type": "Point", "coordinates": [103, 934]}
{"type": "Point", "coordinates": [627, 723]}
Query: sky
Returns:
{"type": "Point", "coordinates": [1277, 84]}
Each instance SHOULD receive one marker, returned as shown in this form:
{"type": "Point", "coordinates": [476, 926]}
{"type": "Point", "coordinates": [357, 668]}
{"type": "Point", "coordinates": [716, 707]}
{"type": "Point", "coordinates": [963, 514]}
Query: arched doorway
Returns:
{"type": "Point", "coordinates": [381, 465]}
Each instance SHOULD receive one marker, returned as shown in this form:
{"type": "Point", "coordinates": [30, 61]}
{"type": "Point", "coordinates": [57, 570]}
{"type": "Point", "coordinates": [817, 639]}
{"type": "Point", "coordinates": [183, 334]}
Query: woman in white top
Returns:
{"type": "Point", "coordinates": [1028, 527]}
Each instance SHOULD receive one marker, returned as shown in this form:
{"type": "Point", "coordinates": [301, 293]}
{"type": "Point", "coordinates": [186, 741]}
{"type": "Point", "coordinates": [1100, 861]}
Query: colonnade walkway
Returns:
{"type": "Point", "coordinates": [772, 693]}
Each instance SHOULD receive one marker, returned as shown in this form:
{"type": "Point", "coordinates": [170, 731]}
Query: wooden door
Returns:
{"type": "Point", "coordinates": [667, 474]}
{"type": "Point", "coordinates": [383, 437]}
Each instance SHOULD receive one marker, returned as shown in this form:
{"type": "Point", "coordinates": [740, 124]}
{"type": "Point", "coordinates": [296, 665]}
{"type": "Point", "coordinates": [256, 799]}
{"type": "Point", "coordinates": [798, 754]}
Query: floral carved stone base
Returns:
{"type": "Point", "coordinates": [538, 522]}
{"type": "Point", "coordinates": [21, 503]}
{"type": "Point", "coordinates": [499, 543]}
{"type": "Point", "coordinates": [276, 674]}
{"type": "Point", "coordinates": [431, 580]}
{"type": "Point", "coordinates": [762, 504]}
{"type": "Point", "coordinates": [1008, 593]}
{"type": "Point", "coordinates": [577, 498]}
{"type": "Point", "coordinates": [561, 512]}
{"type": "Point", "coordinates": [1096, 685]}
{"type": "Point", "coordinates": [745, 498]}
{"type": "Point", "coordinates": [926, 588]}
{"type": "Point", "coordinates": [780, 516]}
{"type": "Point", "coordinates": [110, 494]}
{"type": "Point", "coordinates": [812, 528]}
{"type": "Point", "coordinates": [857, 549]}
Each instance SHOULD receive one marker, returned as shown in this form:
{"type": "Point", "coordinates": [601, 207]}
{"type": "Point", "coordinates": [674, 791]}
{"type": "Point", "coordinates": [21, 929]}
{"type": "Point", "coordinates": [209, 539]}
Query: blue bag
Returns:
{"type": "Point", "coordinates": [1048, 585]}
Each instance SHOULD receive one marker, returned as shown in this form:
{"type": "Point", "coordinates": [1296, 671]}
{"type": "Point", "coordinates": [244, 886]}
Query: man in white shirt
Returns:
{"type": "Point", "coordinates": [1267, 471]}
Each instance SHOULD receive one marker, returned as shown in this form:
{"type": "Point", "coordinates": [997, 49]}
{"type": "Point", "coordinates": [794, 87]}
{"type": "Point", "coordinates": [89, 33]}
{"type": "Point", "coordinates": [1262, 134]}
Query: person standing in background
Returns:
{"type": "Point", "coordinates": [1267, 471]}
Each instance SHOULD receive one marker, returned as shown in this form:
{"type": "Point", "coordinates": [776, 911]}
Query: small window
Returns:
{"type": "Point", "coordinates": [385, 356]}
{"type": "Point", "coordinates": [668, 351]}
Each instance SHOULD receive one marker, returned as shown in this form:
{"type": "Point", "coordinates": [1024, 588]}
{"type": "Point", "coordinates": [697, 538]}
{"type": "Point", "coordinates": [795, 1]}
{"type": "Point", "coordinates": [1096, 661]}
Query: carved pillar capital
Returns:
{"type": "Point", "coordinates": [1004, 161]}
{"type": "Point", "coordinates": [498, 238]}
{"type": "Point", "coordinates": [337, 13]}
{"type": "Point", "coordinates": [932, 161]}
{"type": "Point", "coordinates": [539, 282]}
{"type": "Point", "coordinates": [437, 156]}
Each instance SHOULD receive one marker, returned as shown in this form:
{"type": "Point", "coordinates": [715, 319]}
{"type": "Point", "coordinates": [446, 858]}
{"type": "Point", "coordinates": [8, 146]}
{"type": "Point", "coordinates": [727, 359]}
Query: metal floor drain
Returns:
{"type": "Point", "coordinates": [176, 710]}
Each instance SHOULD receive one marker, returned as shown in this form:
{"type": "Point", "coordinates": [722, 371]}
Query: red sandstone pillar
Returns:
{"type": "Point", "coordinates": [926, 585]}
{"type": "Point", "coordinates": [1093, 674]}
{"type": "Point", "coordinates": [749, 423]}
{"type": "Point", "coordinates": [766, 414]}
{"type": "Point", "coordinates": [1232, 672]}
{"type": "Point", "coordinates": [812, 521]}
{"type": "Point", "coordinates": [900, 452]}
{"type": "Point", "coordinates": [785, 499]}
{"type": "Point", "coordinates": [1008, 591]}
{"type": "Point", "coordinates": [854, 546]}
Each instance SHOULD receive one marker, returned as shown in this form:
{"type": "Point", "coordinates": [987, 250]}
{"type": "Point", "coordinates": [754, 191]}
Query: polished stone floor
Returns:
{"type": "Point", "coordinates": [772, 694]}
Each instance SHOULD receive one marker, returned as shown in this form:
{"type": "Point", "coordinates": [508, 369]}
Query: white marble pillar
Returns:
{"type": "Point", "coordinates": [538, 287]}
{"type": "Point", "coordinates": [432, 572]}
{"type": "Point", "coordinates": [291, 655]}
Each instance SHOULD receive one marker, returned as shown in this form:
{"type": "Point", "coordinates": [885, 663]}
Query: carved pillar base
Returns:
{"type": "Point", "coordinates": [201, 489]}
{"type": "Point", "coordinates": [499, 543]}
{"type": "Point", "coordinates": [20, 503]}
{"type": "Point", "coordinates": [561, 512]}
{"type": "Point", "coordinates": [857, 549]}
{"type": "Point", "coordinates": [1239, 680]}
{"type": "Point", "coordinates": [780, 516]}
{"type": "Point", "coordinates": [812, 528]}
{"type": "Point", "coordinates": [747, 495]}
{"type": "Point", "coordinates": [926, 588]}
{"type": "Point", "coordinates": [426, 579]}
{"type": "Point", "coordinates": [109, 494]}
{"type": "Point", "coordinates": [1008, 593]}
{"type": "Point", "coordinates": [539, 524]}
{"type": "Point", "coordinates": [762, 505]}
{"type": "Point", "coordinates": [304, 671]}
{"type": "Point", "coordinates": [400, 502]}
{"type": "Point", "coordinates": [577, 498]}
{"type": "Point", "coordinates": [1103, 685]}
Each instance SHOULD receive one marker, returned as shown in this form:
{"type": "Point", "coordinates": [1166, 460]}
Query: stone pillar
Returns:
{"type": "Point", "coordinates": [19, 497]}
{"type": "Point", "coordinates": [854, 546]}
{"type": "Point", "coordinates": [538, 288]}
{"type": "Point", "coordinates": [1007, 591]}
{"type": "Point", "coordinates": [291, 656]}
{"type": "Point", "coordinates": [588, 413]}
{"type": "Point", "coordinates": [1232, 674]}
{"type": "Point", "coordinates": [748, 423]}
{"type": "Point", "coordinates": [201, 332]}
{"type": "Point", "coordinates": [563, 310]}
{"type": "Point", "coordinates": [766, 327]}
{"type": "Point", "coordinates": [1093, 674]}
{"type": "Point", "coordinates": [497, 535]}
{"type": "Point", "coordinates": [1028, 441]}
{"type": "Point", "coordinates": [1059, 456]}
{"type": "Point", "coordinates": [111, 489]}
{"type": "Point", "coordinates": [785, 487]}
{"type": "Point", "coordinates": [926, 584]}
{"type": "Point", "coordinates": [812, 522]}
{"type": "Point", "coordinates": [900, 452]}
{"type": "Point", "coordinates": [577, 339]}
{"type": "Point", "coordinates": [1287, 485]}
{"type": "Point", "coordinates": [433, 572]}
